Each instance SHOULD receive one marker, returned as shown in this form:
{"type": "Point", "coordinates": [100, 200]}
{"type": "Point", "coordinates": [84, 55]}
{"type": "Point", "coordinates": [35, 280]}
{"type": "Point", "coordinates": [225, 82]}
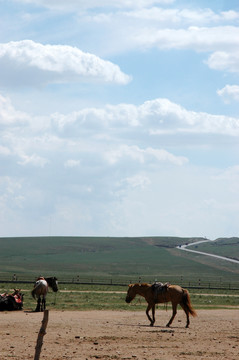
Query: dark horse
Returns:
{"type": "Point", "coordinates": [12, 301]}
{"type": "Point", "coordinates": [174, 293]}
{"type": "Point", "coordinates": [40, 291]}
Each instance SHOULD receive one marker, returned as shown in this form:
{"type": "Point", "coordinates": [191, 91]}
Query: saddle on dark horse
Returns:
{"type": "Point", "coordinates": [159, 288]}
{"type": "Point", "coordinates": [10, 302]}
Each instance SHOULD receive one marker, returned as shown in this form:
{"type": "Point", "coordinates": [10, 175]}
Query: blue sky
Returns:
{"type": "Point", "coordinates": [119, 119]}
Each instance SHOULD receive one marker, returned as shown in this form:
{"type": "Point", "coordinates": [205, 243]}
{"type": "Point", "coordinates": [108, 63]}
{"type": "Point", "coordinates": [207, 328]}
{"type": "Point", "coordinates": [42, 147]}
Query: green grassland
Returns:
{"type": "Point", "coordinates": [125, 258]}
{"type": "Point", "coordinates": [93, 297]}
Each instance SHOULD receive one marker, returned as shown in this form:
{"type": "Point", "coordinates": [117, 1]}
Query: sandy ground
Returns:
{"type": "Point", "coordinates": [214, 334]}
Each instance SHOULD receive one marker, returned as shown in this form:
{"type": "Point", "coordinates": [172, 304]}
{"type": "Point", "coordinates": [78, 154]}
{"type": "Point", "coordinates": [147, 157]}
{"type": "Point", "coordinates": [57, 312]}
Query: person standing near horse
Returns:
{"type": "Point", "coordinates": [40, 291]}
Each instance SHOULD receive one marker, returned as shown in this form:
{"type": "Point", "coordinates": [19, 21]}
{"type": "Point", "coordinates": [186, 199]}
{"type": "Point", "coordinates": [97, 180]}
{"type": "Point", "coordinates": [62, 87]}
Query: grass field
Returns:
{"type": "Point", "coordinates": [126, 258]}
{"type": "Point", "coordinates": [91, 297]}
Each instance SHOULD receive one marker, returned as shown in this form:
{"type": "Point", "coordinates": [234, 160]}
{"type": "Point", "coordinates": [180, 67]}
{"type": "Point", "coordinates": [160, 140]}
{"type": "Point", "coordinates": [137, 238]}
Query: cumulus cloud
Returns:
{"type": "Point", "coordinates": [138, 180]}
{"type": "Point", "coordinates": [154, 117]}
{"type": "Point", "coordinates": [120, 121]}
{"type": "Point", "coordinates": [143, 155]}
{"type": "Point", "coordinates": [193, 37]}
{"type": "Point", "coordinates": [81, 4]}
{"type": "Point", "coordinates": [201, 30]}
{"type": "Point", "coordinates": [8, 114]}
{"type": "Point", "coordinates": [222, 60]}
{"type": "Point", "coordinates": [103, 160]}
{"type": "Point", "coordinates": [229, 92]}
{"type": "Point", "coordinates": [181, 17]}
{"type": "Point", "coordinates": [122, 136]}
{"type": "Point", "coordinates": [33, 159]}
{"type": "Point", "coordinates": [30, 63]}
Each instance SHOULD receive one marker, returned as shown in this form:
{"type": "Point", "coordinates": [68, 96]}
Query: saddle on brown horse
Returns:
{"type": "Point", "coordinates": [159, 288]}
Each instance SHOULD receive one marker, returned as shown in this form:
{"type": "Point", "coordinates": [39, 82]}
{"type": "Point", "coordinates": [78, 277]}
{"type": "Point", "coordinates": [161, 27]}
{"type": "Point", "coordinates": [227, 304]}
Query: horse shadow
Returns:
{"type": "Point", "coordinates": [159, 328]}
{"type": "Point", "coordinates": [29, 311]}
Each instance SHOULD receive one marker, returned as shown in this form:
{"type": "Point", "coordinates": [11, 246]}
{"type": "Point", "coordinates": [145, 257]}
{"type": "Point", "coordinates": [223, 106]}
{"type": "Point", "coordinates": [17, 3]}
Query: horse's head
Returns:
{"type": "Point", "coordinates": [16, 292]}
{"type": "Point", "coordinates": [52, 282]}
{"type": "Point", "coordinates": [131, 293]}
{"type": "Point", "coordinates": [18, 295]}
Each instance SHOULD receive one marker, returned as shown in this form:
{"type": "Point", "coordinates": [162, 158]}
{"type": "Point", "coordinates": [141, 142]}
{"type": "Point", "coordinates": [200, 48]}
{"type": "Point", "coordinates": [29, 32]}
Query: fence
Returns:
{"type": "Point", "coordinates": [214, 284]}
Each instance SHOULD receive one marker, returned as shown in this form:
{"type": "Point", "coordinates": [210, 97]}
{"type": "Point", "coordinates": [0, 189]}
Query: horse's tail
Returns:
{"type": "Point", "coordinates": [187, 303]}
{"type": "Point", "coordinates": [33, 293]}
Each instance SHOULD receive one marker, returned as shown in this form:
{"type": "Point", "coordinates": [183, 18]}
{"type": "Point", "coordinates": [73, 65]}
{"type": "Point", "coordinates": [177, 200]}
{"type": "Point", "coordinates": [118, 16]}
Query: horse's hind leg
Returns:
{"type": "Point", "coordinates": [184, 307]}
{"type": "Point", "coordinates": [174, 306]}
{"type": "Point", "coordinates": [43, 304]}
{"type": "Point", "coordinates": [38, 308]}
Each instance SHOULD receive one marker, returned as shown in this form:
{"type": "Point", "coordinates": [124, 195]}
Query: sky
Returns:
{"type": "Point", "coordinates": [119, 118]}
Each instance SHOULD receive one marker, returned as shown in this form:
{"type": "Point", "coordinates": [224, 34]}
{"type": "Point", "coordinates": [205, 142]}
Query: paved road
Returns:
{"type": "Point", "coordinates": [185, 248]}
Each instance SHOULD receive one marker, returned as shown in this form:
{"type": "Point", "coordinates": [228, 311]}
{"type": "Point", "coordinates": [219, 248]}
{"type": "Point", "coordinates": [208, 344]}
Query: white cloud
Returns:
{"type": "Point", "coordinates": [180, 202]}
{"type": "Point", "coordinates": [33, 159]}
{"type": "Point", "coordinates": [201, 30]}
{"type": "Point", "coordinates": [10, 116]}
{"type": "Point", "coordinates": [159, 116]}
{"type": "Point", "coordinates": [138, 180]}
{"type": "Point", "coordinates": [193, 37]}
{"type": "Point", "coordinates": [87, 168]}
{"type": "Point", "coordinates": [229, 92]}
{"type": "Point", "coordinates": [82, 4]}
{"type": "Point", "coordinates": [222, 60]}
{"type": "Point", "coordinates": [167, 117]}
{"type": "Point", "coordinates": [29, 63]}
{"type": "Point", "coordinates": [10, 193]}
{"type": "Point", "coordinates": [122, 129]}
{"type": "Point", "coordinates": [142, 156]}
{"type": "Point", "coordinates": [175, 17]}
{"type": "Point", "coordinates": [122, 179]}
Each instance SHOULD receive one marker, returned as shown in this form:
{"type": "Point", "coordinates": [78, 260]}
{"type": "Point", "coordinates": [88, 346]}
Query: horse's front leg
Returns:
{"type": "Point", "coordinates": [153, 313]}
{"type": "Point", "coordinates": [152, 320]}
{"type": "Point", "coordinates": [174, 306]}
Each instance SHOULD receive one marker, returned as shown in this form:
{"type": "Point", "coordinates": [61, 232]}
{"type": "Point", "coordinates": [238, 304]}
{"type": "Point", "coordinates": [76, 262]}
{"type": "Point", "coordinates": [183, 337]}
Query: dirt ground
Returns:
{"type": "Point", "coordinates": [121, 335]}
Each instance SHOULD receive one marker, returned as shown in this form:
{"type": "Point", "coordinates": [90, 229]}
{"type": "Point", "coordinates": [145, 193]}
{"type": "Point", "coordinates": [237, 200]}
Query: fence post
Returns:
{"type": "Point", "coordinates": [41, 333]}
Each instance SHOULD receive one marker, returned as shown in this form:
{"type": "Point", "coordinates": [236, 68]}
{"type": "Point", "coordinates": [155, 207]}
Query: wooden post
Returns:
{"type": "Point", "coordinates": [41, 333]}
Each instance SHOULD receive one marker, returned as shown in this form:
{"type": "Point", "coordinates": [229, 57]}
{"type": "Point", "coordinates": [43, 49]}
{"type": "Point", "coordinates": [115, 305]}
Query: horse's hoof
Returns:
{"type": "Point", "coordinates": [152, 324]}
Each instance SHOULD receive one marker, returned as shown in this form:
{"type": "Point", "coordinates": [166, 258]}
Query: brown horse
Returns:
{"type": "Point", "coordinates": [174, 293]}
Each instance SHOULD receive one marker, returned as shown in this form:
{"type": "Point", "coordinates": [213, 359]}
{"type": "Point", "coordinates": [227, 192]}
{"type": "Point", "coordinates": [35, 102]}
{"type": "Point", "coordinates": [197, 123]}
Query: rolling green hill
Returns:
{"type": "Point", "coordinates": [109, 257]}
